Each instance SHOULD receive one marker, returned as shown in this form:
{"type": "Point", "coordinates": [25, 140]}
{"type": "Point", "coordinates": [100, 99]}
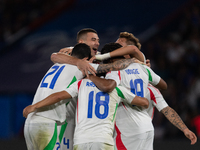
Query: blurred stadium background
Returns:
{"type": "Point", "coordinates": [169, 31]}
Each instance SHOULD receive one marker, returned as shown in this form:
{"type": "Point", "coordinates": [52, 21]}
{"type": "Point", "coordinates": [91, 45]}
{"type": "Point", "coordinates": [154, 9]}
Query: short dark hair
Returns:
{"type": "Point", "coordinates": [81, 50]}
{"type": "Point", "coordinates": [109, 47]}
{"type": "Point", "coordinates": [83, 32]}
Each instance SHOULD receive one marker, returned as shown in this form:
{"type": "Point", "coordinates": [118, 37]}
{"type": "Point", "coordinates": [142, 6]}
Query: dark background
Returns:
{"type": "Point", "coordinates": [30, 30]}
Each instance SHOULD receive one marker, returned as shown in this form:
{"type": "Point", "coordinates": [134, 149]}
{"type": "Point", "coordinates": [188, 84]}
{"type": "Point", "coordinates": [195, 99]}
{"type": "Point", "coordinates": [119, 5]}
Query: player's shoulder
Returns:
{"type": "Point", "coordinates": [138, 66]}
{"type": "Point", "coordinates": [132, 66]}
{"type": "Point", "coordinates": [154, 90]}
{"type": "Point", "coordinates": [145, 68]}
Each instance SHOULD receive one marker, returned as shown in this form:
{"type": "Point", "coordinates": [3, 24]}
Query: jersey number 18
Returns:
{"type": "Point", "coordinates": [98, 104]}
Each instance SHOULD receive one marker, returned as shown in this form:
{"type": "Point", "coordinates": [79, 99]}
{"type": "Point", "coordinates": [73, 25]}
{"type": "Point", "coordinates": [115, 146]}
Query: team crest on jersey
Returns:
{"type": "Point", "coordinates": [132, 71]}
{"type": "Point", "coordinates": [90, 84]}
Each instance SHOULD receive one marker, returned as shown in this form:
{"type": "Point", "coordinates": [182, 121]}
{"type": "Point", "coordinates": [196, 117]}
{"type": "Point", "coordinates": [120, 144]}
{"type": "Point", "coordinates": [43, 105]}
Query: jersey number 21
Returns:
{"type": "Point", "coordinates": [54, 78]}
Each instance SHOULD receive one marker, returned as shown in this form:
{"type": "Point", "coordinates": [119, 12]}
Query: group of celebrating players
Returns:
{"type": "Point", "coordinates": [90, 101]}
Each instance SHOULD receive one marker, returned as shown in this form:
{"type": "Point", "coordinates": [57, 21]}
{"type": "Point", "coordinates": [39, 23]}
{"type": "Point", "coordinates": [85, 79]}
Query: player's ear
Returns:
{"type": "Point", "coordinates": [85, 58]}
{"type": "Point", "coordinates": [80, 41]}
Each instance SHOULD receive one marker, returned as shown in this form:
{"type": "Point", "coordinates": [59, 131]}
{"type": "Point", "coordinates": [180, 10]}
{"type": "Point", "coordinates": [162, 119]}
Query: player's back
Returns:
{"type": "Point", "coordinates": [57, 78]}
{"type": "Point", "coordinates": [95, 114]}
{"type": "Point", "coordinates": [136, 78]}
{"type": "Point", "coordinates": [131, 120]}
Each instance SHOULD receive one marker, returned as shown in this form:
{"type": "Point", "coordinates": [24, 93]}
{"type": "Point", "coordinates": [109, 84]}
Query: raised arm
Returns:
{"type": "Point", "coordinates": [131, 50]}
{"type": "Point", "coordinates": [175, 119]}
{"type": "Point", "coordinates": [51, 99]}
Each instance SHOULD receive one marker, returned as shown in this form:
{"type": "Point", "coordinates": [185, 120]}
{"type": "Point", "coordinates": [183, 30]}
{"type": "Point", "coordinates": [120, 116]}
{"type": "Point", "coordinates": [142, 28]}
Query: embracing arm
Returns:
{"type": "Point", "coordinates": [162, 85]}
{"type": "Point", "coordinates": [140, 101]}
{"type": "Point", "coordinates": [117, 65]}
{"type": "Point", "coordinates": [67, 50]}
{"type": "Point", "coordinates": [51, 99]}
{"type": "Point", "coordinates": [105, 85]}
{"type": "Point", "coordinates": [82, 64]}
{"type": "Point", "coordinates": [131, 50]}
{"type": "Point", "coordinates": [63, 58]}
{"type": "Point", "coordinates": [175, 119]}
